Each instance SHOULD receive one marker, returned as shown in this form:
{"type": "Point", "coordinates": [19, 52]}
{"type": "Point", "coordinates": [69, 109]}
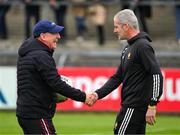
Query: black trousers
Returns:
{"type": "Point", "coordinates": [101, 34]}
{"type": "Point", "coordinates": [37, 126]}
{"type": "Point", "coordinates": [142, 12]}
{"type": "Point", "coordinates": [60, 14]}
{"type": "Point", "coordinates": [30, 12]}
{"type": "Point", "coordinates": [3, 27]}
{"type": "Point", "coordinates": [130, 121]}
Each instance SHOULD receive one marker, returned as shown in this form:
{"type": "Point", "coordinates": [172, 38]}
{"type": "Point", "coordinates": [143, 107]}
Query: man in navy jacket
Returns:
{"type": "Point", "coordinates": [38, 80]}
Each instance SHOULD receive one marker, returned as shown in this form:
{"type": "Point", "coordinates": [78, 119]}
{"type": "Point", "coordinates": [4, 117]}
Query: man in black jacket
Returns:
{"type": "Point", "coordinates": [38, 80]}
{"type": "Point", "coordinates": [139, 74]}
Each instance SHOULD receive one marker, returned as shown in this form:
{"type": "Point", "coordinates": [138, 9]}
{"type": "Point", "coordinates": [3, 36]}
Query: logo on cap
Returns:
{"type": "Point", "coordinates": [53, 23]}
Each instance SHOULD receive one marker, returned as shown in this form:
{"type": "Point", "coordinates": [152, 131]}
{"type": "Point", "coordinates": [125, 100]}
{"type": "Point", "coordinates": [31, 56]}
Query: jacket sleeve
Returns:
{"type": "Point", "coordinates": [113, 82]}
{"type": "Point", "coordinates": [148, 59]}
{"type": "Point", "coordinates": [47, 68]}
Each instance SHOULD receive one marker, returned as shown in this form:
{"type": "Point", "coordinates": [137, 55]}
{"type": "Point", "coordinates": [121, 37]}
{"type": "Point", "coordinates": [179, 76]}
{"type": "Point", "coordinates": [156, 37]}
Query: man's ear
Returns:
{"type": "Point", "coordinates": [43, 36]}
{"type": "Point", "coordinates": [125, 27]}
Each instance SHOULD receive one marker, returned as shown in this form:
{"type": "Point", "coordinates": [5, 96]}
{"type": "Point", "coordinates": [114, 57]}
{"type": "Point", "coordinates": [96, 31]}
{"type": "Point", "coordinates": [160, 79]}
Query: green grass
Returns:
{"type": "Point", "coordinates": [90, 123]}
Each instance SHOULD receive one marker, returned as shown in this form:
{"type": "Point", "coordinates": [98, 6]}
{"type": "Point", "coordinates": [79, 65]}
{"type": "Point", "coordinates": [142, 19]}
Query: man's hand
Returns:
{"type": "Point", "coordinates": [151, 115]}
{"type": "Point", "coordinates": [91, 98]}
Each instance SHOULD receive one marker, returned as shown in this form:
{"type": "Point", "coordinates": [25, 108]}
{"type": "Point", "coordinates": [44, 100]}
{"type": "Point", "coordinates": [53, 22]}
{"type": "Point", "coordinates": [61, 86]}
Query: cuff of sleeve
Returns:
{"type": "Point", "coordinates": [98, 94]}
{"type": "Point", "coordinates": [153, 103]}
{"type": "Point", "coordinates": [84, 97]}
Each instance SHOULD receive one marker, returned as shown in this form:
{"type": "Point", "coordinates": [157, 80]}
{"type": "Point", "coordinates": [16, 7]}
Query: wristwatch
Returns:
{"type": "Point", "coordinates": [152, 107]}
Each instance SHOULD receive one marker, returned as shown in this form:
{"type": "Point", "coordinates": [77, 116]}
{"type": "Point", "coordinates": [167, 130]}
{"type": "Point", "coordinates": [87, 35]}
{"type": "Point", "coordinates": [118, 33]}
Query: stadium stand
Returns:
{"type": "Point", "coordinates": [161, 27]}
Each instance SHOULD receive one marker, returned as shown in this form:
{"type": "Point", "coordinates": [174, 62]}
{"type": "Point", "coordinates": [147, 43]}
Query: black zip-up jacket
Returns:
{"type": "Point", "coordinates": [37, 80]}
{"type": "Point", "coordinates": [139, 73]}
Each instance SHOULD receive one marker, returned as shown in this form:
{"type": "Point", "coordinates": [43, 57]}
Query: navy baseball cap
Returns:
{"type": "Point", "coordinates": [44, 26]}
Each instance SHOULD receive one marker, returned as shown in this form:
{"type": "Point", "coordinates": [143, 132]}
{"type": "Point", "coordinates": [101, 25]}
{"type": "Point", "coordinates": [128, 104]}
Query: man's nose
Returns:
{"type": "Point", "coordinates": [58, 35]}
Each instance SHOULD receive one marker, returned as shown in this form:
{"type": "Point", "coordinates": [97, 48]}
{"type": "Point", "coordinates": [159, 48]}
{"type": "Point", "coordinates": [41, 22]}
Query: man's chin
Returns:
{"type": "Point", "coordinates": [55, 46]}
{"type": "Point", "coordinates": [119, 37]}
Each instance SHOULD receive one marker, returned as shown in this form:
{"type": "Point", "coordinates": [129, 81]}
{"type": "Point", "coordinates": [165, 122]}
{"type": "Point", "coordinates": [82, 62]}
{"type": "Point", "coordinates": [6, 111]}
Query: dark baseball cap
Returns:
{"type": "Point", "coordinates": [44, 26]}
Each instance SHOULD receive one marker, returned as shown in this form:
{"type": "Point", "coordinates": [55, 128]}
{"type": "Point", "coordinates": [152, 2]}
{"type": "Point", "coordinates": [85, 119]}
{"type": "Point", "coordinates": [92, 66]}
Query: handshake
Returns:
{"type": "Point", "coordinates": [91, 98]}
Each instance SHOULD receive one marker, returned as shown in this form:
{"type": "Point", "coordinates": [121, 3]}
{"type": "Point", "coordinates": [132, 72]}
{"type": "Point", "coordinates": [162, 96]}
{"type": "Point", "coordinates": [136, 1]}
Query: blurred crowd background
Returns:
{"type": "Point", "coordinates": [89, 24]}
{"type": "Point", "coordinates": [88, 41]}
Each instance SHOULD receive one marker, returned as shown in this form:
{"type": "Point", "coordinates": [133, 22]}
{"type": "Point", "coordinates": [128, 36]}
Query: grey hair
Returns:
{"type": "Point", "coordinates": [127, 16]}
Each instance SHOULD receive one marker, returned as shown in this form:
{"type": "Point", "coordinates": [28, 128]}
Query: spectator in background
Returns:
{"type": "Point", "coordinates": [32, 9]}
{"type": "Point", "coordinates": [4, 8]}
{"type": "Point", "coordinates": [60, 10]}
{"type": "Point", "coordinates": [177, 13]}
{"type": "Point", "coordinates": [79, 10]}
{"type": "Point", "coordinates": [142, 11]}
{"type": "Point", "coordinates": [98, 16]}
